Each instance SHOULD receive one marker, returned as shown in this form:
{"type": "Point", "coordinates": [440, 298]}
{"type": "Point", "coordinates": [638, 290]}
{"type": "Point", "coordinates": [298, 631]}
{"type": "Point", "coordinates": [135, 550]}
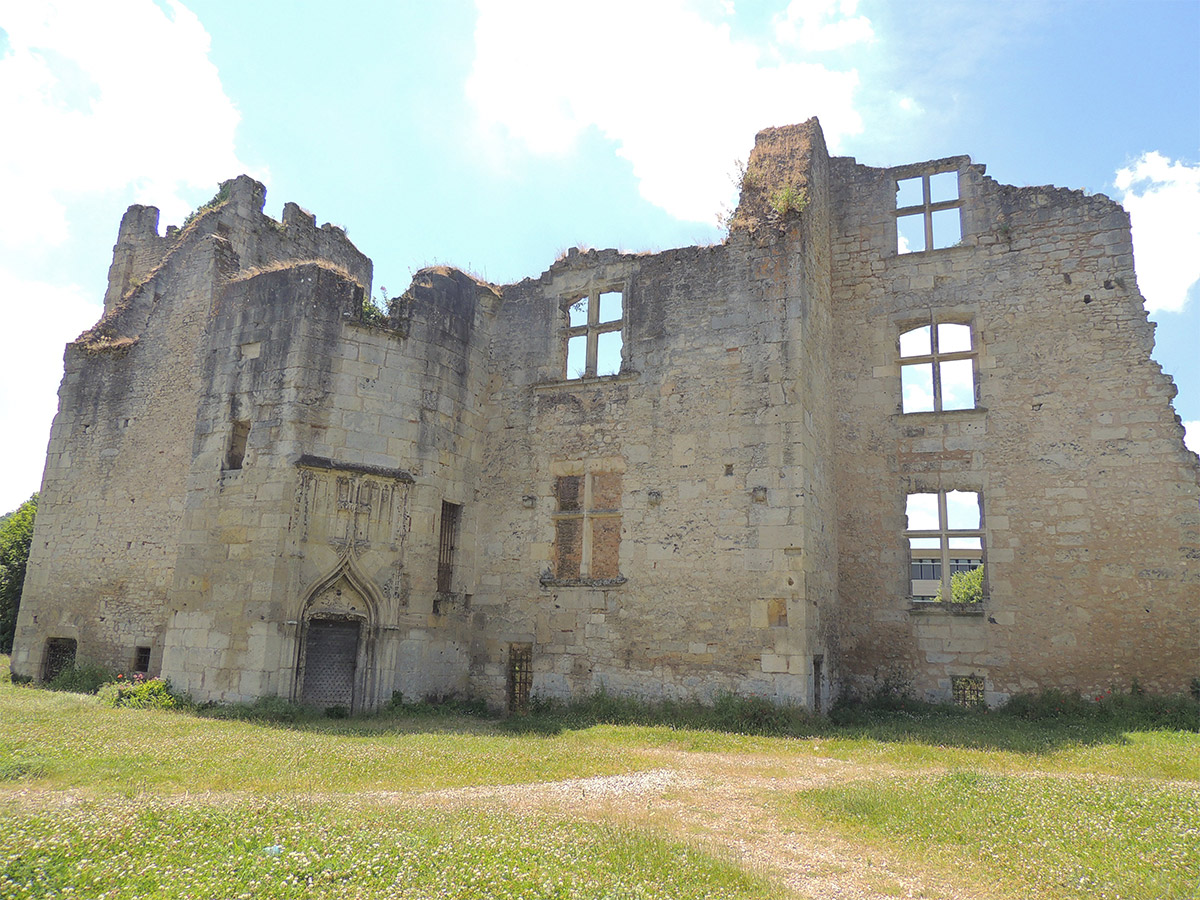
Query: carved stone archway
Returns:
{"type": "Point", "coordinates": [335, 654]}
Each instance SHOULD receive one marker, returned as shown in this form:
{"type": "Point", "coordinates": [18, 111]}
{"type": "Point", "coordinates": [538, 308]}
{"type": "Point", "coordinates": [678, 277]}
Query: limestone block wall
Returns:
{"type": "Point", "coordinates": [338, 492]}
{"type": "Point", "coordinates": [112, 496]}
{"type": "Point", "coordinates": [117, 477]}
{"type": "Point", "coordinates": [706, 437]}
{"type": "Point", "coordinates": [1090, 499]}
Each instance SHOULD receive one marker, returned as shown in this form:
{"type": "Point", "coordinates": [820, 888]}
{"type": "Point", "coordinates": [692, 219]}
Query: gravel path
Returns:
{"type": "Point", "coordinates": [727, 804]}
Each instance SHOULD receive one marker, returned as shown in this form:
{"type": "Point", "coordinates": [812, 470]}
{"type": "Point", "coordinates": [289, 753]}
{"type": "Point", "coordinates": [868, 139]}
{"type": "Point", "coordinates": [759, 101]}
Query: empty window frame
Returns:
{"type": "Point", "coordinates": [141, 659]}
{"type": "Point", "coordinates": [447, 546]}
{"type": "Point", "coordinates": [937, 368]}
{"type": "Point", "coordinates": [59, 657]}
{"type": "Point", "coordinates": [587, 526]}
{"type": "Point", "coordinates": [594, 326]}
{"type": "Point", "coordinates": [928, 212]}
{"type": "Point", "coordinates": [944, 531]}
{"type": "Point", "coordinates": [237, 445]}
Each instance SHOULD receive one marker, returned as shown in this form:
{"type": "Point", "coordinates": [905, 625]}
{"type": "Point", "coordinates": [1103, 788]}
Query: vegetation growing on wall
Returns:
{"type": "Point", "coordinates": [218, 198]}
{"type": "Point", "coordinates": [374, 312]}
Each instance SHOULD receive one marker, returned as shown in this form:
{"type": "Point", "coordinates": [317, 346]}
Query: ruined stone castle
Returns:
{"type": "Point", "coordinates": [902, 425]}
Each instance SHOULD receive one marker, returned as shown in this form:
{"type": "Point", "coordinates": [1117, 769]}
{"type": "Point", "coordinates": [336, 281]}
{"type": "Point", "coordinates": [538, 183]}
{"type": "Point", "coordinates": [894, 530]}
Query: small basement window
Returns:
{"type": "Point", "coordinates": [967, 690]}
{"type": "Point", "coordinates": [141, 660]}
{"type": "Point", "coordinates": [928, 212]}
{"type": "Point", "coordinates": [60, 656]}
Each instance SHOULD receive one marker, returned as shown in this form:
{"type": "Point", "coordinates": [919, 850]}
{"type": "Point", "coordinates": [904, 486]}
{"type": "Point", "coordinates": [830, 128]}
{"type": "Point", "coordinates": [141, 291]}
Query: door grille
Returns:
{"type": "Point", "coordinates": [330, 660]}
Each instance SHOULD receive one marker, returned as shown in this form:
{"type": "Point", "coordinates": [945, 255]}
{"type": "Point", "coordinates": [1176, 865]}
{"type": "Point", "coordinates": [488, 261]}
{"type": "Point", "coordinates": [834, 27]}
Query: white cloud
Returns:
{"type": "Point", "coordinates": [98, 98]}
{"type": "Point", "coordinates": [1191, 435]}
{"type": "Point", "coordinates": [99, 102]}
{"type": "Point", "coordinates": [1163, 200]}
{"type": "Point", "coordinates": [680, 97]}
{"type": "Point", "coordinates": [822, 25]}
{"type": "Point", "coordinates": [39, 319]}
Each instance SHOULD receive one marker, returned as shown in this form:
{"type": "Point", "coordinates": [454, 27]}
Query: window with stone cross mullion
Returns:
{"type": "Point", "coordinates": [591, 330]}
{"type": "Point", "coordinates": [953, 537]}
{"type": "Point", "coordinates": [928, 207]}
{"type": "Point", "coordinates": [580, 552]}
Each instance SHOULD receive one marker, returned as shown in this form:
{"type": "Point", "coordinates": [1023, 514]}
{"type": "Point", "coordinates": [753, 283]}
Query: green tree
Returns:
{"type": "Point", "coordinates": [16, 534]}
{"type": "Point", "coordinates": [965, 587]}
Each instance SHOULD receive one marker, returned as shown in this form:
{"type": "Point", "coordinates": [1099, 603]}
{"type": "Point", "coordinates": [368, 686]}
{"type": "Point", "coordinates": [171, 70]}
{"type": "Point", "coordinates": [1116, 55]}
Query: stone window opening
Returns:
{"type": "Point", "coordinates": [967, 690]}
{"type": "Point", "coordinates": [447, 546]}
{"type": "Point", "coordinates": [944, 531]}
{"type": "Point", "coordinates": [141, 660]}
{"type": "Point", "coordinates": [937, 368]}
{"type": "Point", "coordinates": [928, 212]}
{"type": "Point", "coordinates": [587, 527]}
{"type": "Point", "coordinates": [59, 657]}
{"type": "Point", "coordinates": [237, 445]}
{"type": "Point", "coordinates": [595, 322]}
{"type": "Point", "coordinates": [520, 677]}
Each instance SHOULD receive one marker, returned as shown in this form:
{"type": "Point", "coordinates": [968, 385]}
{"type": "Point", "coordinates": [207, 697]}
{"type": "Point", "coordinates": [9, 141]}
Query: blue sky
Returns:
{"type": "Point", "coordinates": [493, 135]}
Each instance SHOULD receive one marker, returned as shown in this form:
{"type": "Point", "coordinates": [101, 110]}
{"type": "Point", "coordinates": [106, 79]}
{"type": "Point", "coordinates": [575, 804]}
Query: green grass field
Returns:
{"type": "Point", "coordinates": [116, 803]}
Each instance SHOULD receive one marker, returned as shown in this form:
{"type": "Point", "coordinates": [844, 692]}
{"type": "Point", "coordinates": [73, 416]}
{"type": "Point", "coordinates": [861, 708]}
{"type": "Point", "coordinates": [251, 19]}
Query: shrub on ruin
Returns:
{"type": "Point", "coordinates": [139, 692]}
{"type": "Point", "coordinates": [81, 678]}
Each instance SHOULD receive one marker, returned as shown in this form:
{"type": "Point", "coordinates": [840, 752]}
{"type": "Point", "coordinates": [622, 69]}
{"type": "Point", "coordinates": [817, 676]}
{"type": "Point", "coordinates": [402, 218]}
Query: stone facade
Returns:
{"type": "Point", "coordinates": [667, 475]}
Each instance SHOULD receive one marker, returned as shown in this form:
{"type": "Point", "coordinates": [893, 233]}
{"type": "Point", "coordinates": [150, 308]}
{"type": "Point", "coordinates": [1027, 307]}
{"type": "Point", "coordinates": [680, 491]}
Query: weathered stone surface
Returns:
{"type": "Point", "coordinates": [239, 461]}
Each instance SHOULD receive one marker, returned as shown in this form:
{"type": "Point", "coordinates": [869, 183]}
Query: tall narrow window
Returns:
{"type": "Point", "coordinates": [520, 677]}
{"type": "Point", "coordinates": [447, 546]}
{"type": "Point", "coordinates": [141, 659]}
{"type": "Point", "coordinates": [928, 212]}
{"type": "Point", "coordinates": [587, 526]}
{"type": "Point", "coordinates": [237, 445]}
{"type": "Point", "coordinates": [594, 343]}
{"type": "Point", "coordinates": [937, 368]}
{"type": "Point", "coordinates": [945, 544]}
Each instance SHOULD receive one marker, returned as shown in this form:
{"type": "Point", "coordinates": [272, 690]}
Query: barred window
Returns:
{"type": "Point", "coordinates": [967, 690]}
{"type": "Point", "coordinates": [447, 546]}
